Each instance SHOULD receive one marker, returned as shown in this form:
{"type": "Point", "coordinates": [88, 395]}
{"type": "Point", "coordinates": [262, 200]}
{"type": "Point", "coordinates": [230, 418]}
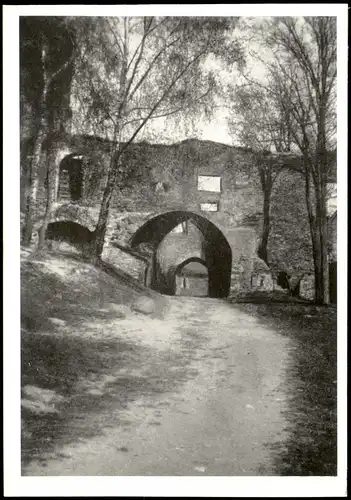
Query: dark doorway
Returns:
{"type": "Point", "coordinates": [69, 233]}
{"type": "Point", "coordinates": [71, 177]}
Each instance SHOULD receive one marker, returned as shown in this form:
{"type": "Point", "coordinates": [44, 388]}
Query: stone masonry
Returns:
{"type": "Point", "coordinates": [161, 187]}
{"type": "Point", "coordinates": [163, 181]}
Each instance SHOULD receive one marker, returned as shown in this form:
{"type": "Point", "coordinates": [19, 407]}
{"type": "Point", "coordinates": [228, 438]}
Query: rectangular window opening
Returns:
{"type": "Point", "coordinates": [209, 207]}
{"type": "Point", "coordinates": [209, 183]}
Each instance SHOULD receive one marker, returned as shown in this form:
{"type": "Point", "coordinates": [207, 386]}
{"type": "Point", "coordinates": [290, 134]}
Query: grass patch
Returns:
{"type": "Point", "coordinates": [269, 298]}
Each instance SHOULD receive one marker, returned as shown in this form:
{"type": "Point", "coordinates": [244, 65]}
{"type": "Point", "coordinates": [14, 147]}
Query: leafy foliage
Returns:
{"type": "Point", "coordinates": [133, 70]}
{"type": "Point", "coordinates": [128, 67]}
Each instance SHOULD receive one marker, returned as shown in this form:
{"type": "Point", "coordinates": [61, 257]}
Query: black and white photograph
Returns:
{"type": "Point", "coordinates": [175, 186]}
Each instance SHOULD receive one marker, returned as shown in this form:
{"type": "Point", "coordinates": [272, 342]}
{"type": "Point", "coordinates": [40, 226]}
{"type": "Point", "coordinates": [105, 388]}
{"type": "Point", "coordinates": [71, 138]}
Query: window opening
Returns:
{"type": "Point", "coordinates": [209, 207]}
{"type": "Point", "coordinates": [209, 183]}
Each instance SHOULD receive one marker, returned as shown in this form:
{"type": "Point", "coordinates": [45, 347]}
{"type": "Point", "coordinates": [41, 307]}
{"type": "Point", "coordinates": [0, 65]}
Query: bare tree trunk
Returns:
{"type": "Point", "coordinates": [41, 131]}
{"type": "Point", "coordinates": [322, 238]}
{"type": "Point", "coordinates": [262, 249]}
{"type": "Point", "coordinates": [325, 263]}
{"type": "Point", "coordinates": [100, 230]}
{"type": "Point", "coordinates": [319, 236]}
{"type": "Point", "coordinates": [53, 173]}
{"type": "Point", "coordinates": [318, 283]}
{"type": "Point", "coordinates": [266, 182]}
{"type": "Point", "coordinates": [26, 159]}
{"type": "Point", "coordinates": [32, 189]}
{"type": "Point", "coordinates": [321, 208]}
{"type": "Point", "coordinates": [319, 239]}
{"type": "Point", "coordinates": [101, 227]}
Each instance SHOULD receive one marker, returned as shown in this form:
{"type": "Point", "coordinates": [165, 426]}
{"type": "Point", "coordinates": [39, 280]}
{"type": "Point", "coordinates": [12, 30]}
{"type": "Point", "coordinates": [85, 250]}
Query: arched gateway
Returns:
{"type": "Point", "coordinates": [215, 252]}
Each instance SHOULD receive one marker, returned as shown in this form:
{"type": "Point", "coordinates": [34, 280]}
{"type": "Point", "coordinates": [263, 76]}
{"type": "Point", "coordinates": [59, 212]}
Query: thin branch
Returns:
{"type": "Point", "coordinates": [152, 63]}
{"type": "Point", "coordinates": [163, 115]}
{"type": "Point", "coordinates": [50, 79]}
{"type": "Point", "coordinates": [149, 31]}
{"type": "Point", "coordinates": [131, 80]}
{"type": "Point", "coordinates": [164, 95]}
{"type": "Point", "coordinates": [299, 51]}
{"type": "Point", "coordinates": [116, 36]}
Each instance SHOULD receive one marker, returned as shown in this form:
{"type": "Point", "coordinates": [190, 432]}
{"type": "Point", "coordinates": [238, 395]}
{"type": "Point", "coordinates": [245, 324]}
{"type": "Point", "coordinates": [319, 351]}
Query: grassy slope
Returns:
{"type": "Point", "coordinates": [65, 287]}
{"type": "Point", "coordinates": [54, 358]}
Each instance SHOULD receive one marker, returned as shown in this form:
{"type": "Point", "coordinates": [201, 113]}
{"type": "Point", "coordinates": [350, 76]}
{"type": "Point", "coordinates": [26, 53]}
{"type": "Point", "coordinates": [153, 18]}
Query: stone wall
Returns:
{"type": "Point", "coordinates": [156, 179]}
{"type": "Point", "coordinates": [289, 246]}
{"type": "Point", "coordinates": [176, 248]}
{"type": "Point", "coordinates": [307, 287]}
{"type": "Point", "coordinates": [126, 262]}
{"type": "Point", "coordinates": [163, 179]}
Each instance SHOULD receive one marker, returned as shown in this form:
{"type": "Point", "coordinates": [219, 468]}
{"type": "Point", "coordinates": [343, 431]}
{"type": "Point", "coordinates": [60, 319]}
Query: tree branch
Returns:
{"type": "Point", "coordinates": [152, 63]}
{"type": "Point", "coordinates": [153, 109]}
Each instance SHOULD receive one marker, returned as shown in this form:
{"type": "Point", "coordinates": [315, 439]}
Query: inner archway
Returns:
{"type": "Point", "coordinates": [191, 278]}
{"type": "Point", "coordinates": [216, 251]}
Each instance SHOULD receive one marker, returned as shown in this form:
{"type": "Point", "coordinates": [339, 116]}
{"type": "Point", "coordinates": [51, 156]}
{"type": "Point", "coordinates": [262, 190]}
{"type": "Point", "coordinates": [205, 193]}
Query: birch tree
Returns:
{"type": "Point", "coordinates": [49, 71]}
{"type": "Point", "coordinates": [299, 59]}
{"type": "Point", "coordinates": [136, 70]}
{"type": "Point", "coordinates": [304, 71]}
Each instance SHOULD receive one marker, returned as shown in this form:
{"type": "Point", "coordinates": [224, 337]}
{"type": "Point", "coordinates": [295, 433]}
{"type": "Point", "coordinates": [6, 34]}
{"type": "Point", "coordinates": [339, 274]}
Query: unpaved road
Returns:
{"type": "Point", "coordinates": [221, 412]}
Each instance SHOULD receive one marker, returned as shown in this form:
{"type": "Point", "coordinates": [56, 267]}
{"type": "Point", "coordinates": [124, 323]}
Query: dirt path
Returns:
{"type": "Point", "coordinates": [219, 411]}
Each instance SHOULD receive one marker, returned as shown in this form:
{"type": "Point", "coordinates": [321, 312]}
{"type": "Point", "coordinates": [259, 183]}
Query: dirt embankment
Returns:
{"type": "Point", "coordinates": [76, 326]}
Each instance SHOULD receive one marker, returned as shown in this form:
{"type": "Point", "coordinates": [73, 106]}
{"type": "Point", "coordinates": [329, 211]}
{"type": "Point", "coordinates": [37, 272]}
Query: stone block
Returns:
{"type": "Point", "coordinates": [144, 305]}
{"type": "Point", "coordinates": [262, 282]}
{"type": "Point", "coordinates": [119, 310]}
{"type": "Point", "coordinates": [307, 287]}
{"type": "Point", "coordinates": [57, 321]}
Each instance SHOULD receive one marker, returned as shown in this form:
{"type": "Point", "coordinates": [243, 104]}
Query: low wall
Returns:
{"type": "Point", "coordinates": [128, 263]}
